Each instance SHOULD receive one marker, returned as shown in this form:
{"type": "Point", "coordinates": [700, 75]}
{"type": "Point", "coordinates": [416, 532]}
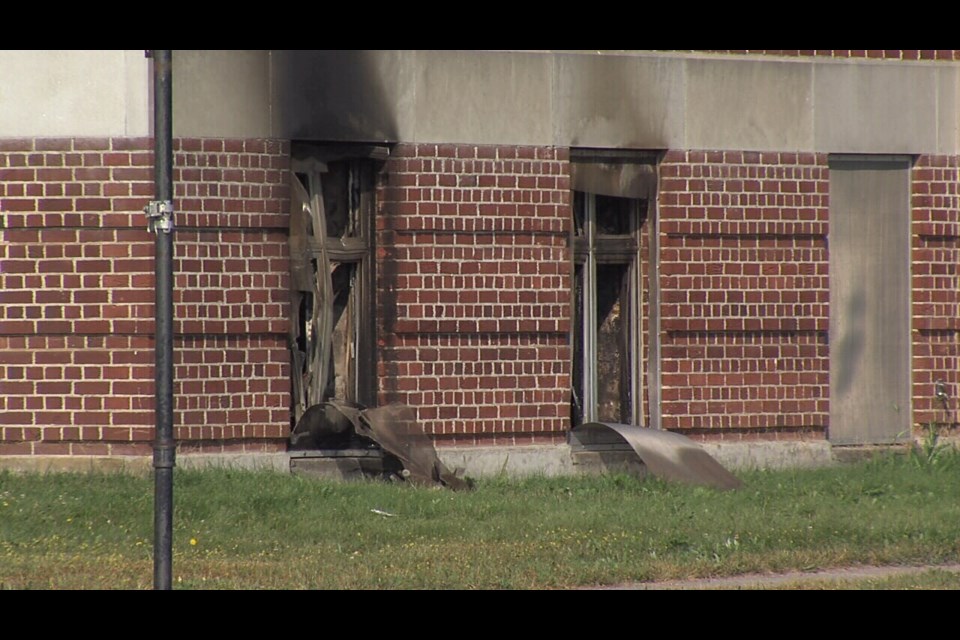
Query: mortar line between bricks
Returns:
{"type": "Point", "coordinates": [179, 229]}
{"type": "Point", "coordinates": [743, 332]}
{"type": "Point", "coordinates": [475, 334]}
{"type": "Point", "coordinates": [746, 236]}
{"type": "Point", "coordinates": [181, 336]}
{"type": "Point", "coordinates": [485, 232]}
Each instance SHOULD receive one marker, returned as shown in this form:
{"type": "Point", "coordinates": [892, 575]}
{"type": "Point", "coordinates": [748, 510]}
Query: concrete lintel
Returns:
{"type": "Point", "coordinates": [948, 110]}
{"type": "Point", "coordinates": [616, 101]}
{"type": "Point", "coordinates": [221, 94]}
{"type": "Point", "coordinates": [760, 105]}
{"type": "Point", "coordinates": [628, 99]}
{"type": "Point", "coordinates": [71, 93]}
{"type": "Point", "coordinates": [888, 108]}
{"type": "Point", "coordinates": [343, 95]}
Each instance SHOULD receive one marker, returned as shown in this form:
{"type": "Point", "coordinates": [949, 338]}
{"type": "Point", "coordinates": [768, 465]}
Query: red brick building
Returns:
{"type": "Point", "coordinates": [747, 247]}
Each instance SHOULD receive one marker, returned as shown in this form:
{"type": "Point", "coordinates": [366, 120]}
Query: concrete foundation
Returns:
{"type": "Point", "coordinates": [517, 461]}
{"type": "Point", "coordinates": [771, 455]}
{"type": "Point", "coordinates": [134, 465]}
{"type": "Point", "coordinates": [250, 461]}
{"type": "Point", "coordinates": [475, 462]}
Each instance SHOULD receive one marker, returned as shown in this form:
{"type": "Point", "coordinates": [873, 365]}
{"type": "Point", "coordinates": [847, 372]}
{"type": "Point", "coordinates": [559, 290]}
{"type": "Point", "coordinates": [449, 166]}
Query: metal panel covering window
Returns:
{"type": "Point", "coordinates": [869, 299]}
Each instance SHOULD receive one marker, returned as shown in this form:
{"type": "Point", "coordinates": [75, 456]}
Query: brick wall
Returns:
{"type": "Point", "coordinates": [76, 296]}
{"type": "Point", "coordinates": [474, 290]}
{"type": "Point", "coordinates": [473, 293]}
{"type": "Point", "coordinates": [936, 287]}
{"type": "Point", "coordinates": [744, 315]}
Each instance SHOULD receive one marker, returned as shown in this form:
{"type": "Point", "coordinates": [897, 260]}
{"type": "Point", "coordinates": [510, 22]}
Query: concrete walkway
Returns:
{"type": "Point", "coordinates": [783, 580]}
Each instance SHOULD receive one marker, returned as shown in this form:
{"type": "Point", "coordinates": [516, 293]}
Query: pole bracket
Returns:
{"type": "Point", "coordinates": [164, 455]}
{"type": "Point", "coordinates": [159, 216]}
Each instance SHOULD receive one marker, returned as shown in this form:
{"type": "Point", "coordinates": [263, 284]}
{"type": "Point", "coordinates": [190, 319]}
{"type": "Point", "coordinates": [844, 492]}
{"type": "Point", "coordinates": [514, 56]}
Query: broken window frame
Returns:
{"type": "Point", "coordinates": [315, 259]}
{"type": "Point", "coordinates": [592, 251]}
{"type": "Point", "coordinates": [629, 177]}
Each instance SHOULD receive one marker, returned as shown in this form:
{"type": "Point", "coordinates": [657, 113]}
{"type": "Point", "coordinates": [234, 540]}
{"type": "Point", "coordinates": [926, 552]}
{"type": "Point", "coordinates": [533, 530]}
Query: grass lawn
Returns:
{"type": "Point", "coordinates": [246, 530]}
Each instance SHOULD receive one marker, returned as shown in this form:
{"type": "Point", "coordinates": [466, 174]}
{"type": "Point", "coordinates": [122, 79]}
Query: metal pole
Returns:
{"type": "Point", "coordinates": [160, 213]}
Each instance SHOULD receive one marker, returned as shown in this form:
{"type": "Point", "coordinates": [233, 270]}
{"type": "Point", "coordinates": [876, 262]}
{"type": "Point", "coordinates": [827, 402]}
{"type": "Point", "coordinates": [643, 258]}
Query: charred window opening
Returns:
{"type": "Point", "coordinates": [332, 277]}
{"type": "Point", "coordinates": [612, 191]}
{"type": "Point", "coordinates": [614, 402]}
{"type": "Point", "coordinates": [607, 290]}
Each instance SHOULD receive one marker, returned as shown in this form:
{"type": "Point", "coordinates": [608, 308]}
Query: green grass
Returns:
{"type": "Point", "coordinates": [932, 580]}
{"type": "Point", "coordinates": [245, 530]}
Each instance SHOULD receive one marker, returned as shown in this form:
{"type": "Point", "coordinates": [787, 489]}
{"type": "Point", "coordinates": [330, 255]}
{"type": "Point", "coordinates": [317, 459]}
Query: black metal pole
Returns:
{"type": "Point", "coordinates": [161, 218]}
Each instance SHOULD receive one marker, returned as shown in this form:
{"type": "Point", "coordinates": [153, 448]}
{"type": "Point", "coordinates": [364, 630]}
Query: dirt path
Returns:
{"type": "Point", "coordinates": [770, 580]}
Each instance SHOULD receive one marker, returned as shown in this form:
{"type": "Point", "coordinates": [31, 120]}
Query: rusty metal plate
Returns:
{"type": "Point", "coordinates": [394, 428]}
{"type": "Point", "coordinates": [666, 455]}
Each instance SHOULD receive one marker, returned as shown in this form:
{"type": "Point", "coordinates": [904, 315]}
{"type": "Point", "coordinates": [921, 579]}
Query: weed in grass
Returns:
{"type": "Point", "coordinates": [931, 451]}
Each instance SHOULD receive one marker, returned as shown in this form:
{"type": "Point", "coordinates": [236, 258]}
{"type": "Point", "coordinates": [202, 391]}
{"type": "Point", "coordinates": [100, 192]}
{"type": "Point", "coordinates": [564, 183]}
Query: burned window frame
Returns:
{"type": "Point", "coordinates": [627, 178]}
{"type": "Point", "coordinates": [333, 276]}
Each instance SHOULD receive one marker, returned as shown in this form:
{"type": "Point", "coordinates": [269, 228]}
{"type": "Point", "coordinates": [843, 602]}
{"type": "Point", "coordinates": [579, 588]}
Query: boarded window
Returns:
{"type": "Point", "coordinates": [869, 299]}
{"type": "Point", "coordinates": [332, 279]}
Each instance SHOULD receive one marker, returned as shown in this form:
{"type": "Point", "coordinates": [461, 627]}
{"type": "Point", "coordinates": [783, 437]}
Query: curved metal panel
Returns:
{"type": "Point", "coordinates": [667, 455]}
{"type": "Point", "coordinates": [393, 427]}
